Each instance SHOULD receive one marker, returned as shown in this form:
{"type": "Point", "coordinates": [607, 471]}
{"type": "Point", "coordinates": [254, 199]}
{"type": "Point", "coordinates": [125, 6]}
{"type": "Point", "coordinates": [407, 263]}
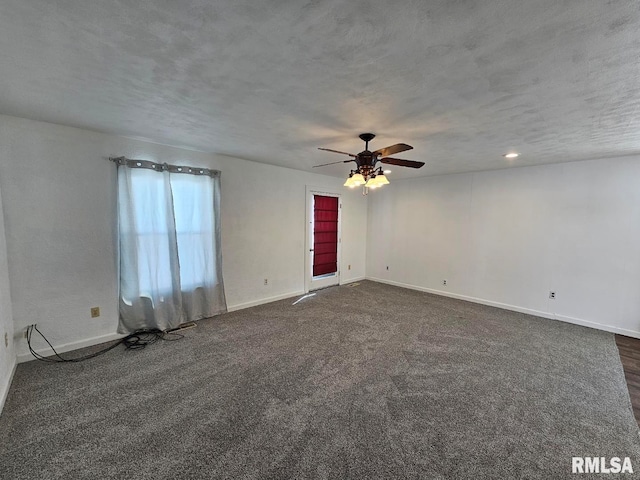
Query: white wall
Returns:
{"type": "Point", "coordinates": [60, 213]}
{"type": "Point", "coordinates": [7, 352]}
{"type": "Point", "coordinates": [263, 229]}
{"type": "Point", "coordinates": [508, 237]}
{"type": "Point", "coordinates": [503, 237]}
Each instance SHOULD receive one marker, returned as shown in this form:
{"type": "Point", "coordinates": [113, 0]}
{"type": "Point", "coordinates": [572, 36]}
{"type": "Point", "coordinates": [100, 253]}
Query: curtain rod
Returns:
{"type": "Point", "coordinates": [164, 167]}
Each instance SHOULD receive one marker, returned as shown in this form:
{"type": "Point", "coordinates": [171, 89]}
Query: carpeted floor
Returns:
{"type": "Point", "coordinates": [369, 381]}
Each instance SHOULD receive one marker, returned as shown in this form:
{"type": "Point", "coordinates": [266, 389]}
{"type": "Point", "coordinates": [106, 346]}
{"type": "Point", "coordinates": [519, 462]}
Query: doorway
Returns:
{"type": "Point", "coordinates": [323, 239]}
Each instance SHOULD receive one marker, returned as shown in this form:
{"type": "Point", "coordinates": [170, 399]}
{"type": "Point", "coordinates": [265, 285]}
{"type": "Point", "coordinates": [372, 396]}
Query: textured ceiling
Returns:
{"type": "Point", "coordinates": [461, 81]}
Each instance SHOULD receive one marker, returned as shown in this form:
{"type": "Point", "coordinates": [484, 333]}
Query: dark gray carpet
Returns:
{"type": "Point", "coordinates": [370, 381]}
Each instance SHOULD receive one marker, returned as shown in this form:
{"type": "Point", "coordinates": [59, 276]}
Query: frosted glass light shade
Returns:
{"type": "Point", "coordinates": [381, 179]}
{"type": "Point", "coordinates": [377, 181]}
{"type": "Point", "coordinates": [358, 179]}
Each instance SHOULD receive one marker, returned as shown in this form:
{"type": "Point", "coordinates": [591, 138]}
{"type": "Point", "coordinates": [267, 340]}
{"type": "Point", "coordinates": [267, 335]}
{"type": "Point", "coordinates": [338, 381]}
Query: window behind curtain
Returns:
{"type": "Point", "coordinates": [151, 207]}
{"type": "Point", "coordinates": [192, 198]}
{"type": "Point", "coordinates": [193, 213]}
{"type": "Point", "coordinates": [170, 259]}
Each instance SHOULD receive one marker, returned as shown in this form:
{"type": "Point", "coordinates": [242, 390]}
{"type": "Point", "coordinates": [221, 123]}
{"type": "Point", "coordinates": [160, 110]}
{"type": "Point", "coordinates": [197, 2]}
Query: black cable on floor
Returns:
{"type": "Point", "coordinates": [133, 341]}
{"type": "Point", "coordinates": [138, 340]}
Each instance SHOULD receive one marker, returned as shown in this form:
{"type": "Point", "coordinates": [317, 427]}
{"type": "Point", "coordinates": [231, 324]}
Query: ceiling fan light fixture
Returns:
{"type": "Point", "coordinates": [366, 172]}
{"type": "Point", "coordinates": [349, 183]}
{"type": "Point", "coordinates": [377, 181]}
{"type": "Point", "coordinates": [381, 179]}
{"type": "Point", "coordinates": [358, 179]}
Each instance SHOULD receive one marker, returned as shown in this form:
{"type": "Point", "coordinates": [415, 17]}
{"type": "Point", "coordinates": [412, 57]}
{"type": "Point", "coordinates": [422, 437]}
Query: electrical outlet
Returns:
{"type": "Point", "coordinates": [552, 295]}
{"type": "Point", "coordinates": [444, 282]}
{"type": "Point", "coordinates": [349, 267]}
{"type": "Point", "coordinates": [266, 281]}
{"type": "Point", "coordinates": [387, 267]}
{"type": "Point", "coordinates": [95, 312]}
{"type": "Point", "coordinates": [6, 339]}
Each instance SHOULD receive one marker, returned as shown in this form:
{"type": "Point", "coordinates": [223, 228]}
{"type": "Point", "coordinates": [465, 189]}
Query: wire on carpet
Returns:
{"type": "Point", "coordinates": [134, 341]}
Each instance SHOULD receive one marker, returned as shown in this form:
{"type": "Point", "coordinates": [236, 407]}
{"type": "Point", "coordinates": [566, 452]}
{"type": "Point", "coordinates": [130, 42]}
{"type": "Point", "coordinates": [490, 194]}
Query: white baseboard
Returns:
{"type": "Point", "coordinates": [467, 298]}
{"type": "Point", "coordinates": [598, 326]}
{"type": "Point", "coordinates": [67, 347]}
{"type": "Point", "coordinates": [262, 301]}
{"type": "Point", "coordinates": [4, 389]}
{"type": "Point", "coordinates": [514, 308]}
{"type": "Point", "coordinates": [25, 357]}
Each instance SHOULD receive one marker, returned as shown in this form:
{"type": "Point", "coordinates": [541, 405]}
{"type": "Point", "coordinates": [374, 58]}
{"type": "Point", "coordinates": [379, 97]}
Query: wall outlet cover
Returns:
{"type": "Point", "coordinates": [95, 312]}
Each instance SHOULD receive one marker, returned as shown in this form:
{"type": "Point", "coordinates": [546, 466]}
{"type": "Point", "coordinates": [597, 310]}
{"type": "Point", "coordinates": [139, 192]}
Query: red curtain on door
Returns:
{"type": "Point", "coordinates": [325, 235]}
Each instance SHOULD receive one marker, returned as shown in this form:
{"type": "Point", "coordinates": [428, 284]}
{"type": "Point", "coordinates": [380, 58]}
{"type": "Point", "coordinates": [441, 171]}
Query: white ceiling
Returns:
{"type": "Point", "coordinates": [462, 81]}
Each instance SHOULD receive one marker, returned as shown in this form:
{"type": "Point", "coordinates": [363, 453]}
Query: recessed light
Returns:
{"type": "Point", "coordinates": [511, 155]}
{"type": "Point", "coordinates": [387, 171]}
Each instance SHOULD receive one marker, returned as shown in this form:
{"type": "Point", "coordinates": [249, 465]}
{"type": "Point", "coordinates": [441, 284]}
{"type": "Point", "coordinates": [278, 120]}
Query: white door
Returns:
{"type": "Point", "coordinates": [323, 239]}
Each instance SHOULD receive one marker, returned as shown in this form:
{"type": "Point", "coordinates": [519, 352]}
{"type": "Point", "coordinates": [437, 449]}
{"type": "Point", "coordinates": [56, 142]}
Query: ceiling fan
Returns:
{"type": "Point", "coordinates": [366, 172]}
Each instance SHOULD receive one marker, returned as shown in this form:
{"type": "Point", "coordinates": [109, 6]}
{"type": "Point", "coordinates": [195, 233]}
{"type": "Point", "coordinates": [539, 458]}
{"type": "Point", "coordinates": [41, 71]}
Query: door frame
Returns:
{"type": "Point", "coordinates": [308, 244]}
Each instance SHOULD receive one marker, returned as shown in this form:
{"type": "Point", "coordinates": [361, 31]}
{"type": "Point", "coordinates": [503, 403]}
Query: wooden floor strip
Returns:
{"type": "Point", "coordinates": [629, 349]}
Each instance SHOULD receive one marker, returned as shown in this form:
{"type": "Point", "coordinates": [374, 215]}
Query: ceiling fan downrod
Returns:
{"type": "Point", "coordinates": [366, 138]}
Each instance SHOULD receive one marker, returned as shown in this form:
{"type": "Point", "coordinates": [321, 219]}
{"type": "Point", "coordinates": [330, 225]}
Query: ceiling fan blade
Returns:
{"type": "Point", "coordinates": [401, 163]}
{"type": "Point", "coordinates": [390, 150]}
{"type": "Point", "coordinates": [337, 151]}
{"type": "Point", "coordinates": [333, 163]}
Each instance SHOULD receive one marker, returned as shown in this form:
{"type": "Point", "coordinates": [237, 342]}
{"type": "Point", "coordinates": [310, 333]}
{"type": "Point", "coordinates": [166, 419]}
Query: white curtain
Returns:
{"type": "Point", "coordinates": [169, 229]}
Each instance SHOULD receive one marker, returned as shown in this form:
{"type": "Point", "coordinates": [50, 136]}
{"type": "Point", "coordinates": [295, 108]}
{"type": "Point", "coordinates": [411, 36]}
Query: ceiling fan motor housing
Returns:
{"type": "Point", "coordinates": [366, 158]}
